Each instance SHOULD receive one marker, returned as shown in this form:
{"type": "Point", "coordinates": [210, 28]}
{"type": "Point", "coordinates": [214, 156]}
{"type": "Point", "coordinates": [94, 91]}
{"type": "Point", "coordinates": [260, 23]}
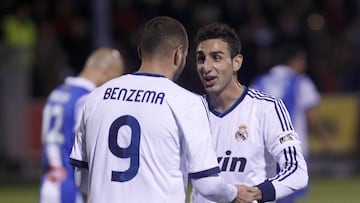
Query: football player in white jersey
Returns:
{"type": "Point", "coordinates": [287, 80]}
{"type": "Point", "coordinates": [251, 130]}
{"type": "Point", "coordinates": [142, 135]}
{"type": "Point", "coordinates": [61, 117]}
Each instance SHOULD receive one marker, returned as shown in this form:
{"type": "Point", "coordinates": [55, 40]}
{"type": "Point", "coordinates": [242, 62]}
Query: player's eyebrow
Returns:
{"type": "Point", "coordinates": [211, 53]}
{"type": "Point", "coordinates": [216, 53]}
{"type": "Point", "coordinates": [200, 52]}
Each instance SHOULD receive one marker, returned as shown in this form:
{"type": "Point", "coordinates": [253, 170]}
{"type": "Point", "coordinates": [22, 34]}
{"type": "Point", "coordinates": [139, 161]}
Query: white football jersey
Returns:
{"type": "Point", "coordinates": [250, 138]}
{"type": "Point", "coordinates": [141, 135]}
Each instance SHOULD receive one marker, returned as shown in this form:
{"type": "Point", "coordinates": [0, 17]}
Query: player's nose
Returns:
{"type": "Point", "coordinates": [207, 65]}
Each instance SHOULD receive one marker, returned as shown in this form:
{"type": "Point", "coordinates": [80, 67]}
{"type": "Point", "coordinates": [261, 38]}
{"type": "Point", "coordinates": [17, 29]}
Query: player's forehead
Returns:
{"type": "Point", "coordinates": [213, 46]}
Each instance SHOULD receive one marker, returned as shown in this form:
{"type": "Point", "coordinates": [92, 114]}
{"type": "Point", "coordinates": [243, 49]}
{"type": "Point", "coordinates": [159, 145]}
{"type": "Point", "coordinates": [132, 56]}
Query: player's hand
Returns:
{"type": "Point", "coordinates": [256, 192]}
{"type": "Point", "coordinates": [56, 174]}
{"type": "Point", "coordinates": [245, 194]}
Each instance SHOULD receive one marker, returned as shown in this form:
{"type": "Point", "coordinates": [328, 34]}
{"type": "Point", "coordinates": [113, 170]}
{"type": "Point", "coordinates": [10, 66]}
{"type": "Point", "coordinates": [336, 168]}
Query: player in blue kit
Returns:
{"type": "Point", "coordinates": [252, 131]}
{"type": "Point", "coordinates": [288, 80]}
{"type": "Point", "coordinates": [142, 135]}
{"type": "Point", "coordinates": [61, 117]}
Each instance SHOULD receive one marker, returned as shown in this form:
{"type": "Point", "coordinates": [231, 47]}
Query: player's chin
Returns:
{"type": "Point", "coordinates": [206, 87]}
{"type": "Point", "coordinates": [210, 89]}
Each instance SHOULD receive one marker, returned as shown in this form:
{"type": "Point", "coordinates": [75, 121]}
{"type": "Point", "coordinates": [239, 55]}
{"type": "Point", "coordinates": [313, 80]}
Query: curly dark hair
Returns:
{"type": "Point", "coordinates": [220, 31]}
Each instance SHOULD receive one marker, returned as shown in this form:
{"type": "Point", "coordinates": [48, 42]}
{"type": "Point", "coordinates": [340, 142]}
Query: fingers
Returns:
{"type": "Point", "coordinates": [56, 174]}
{"type": "Point", "coordinates": [252, 189]}
{"type": "Point", "coordinates": [245, 194]}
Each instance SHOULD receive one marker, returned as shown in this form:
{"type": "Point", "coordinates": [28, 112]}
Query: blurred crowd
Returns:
{"type": "Point", "coordinates": [57, 35]}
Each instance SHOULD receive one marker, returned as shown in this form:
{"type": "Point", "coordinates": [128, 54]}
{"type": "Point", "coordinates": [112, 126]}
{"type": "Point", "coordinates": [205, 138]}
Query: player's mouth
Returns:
{"type": "Point", "coordinates": [209, 81]}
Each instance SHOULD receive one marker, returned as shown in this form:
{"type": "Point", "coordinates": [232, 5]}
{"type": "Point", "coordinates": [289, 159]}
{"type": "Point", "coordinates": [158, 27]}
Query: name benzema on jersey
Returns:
{"type": "Point", "coordinates": [134, 95]}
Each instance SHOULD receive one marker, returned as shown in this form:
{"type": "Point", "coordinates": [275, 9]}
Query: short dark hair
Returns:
{"type": "Point", "coordinates": [220, 31]}
{"type": "Point", "coordinates": [161, 34]}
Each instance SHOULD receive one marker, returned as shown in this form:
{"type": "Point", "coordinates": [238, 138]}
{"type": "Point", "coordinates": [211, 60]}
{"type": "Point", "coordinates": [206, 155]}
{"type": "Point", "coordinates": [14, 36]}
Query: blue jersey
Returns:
{"type": "Point", "coordinates": [59, 122]}
{"type": "Point", "coordinates": [59, 117]}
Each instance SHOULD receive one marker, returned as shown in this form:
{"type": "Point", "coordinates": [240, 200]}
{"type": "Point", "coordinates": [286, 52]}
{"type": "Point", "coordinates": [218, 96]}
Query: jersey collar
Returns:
{"type": "Point", "coordinates": [81, 82]}
{"type": "Point", "coordinates": [222, 114]}
{"type": "Point", "coordinates": [148, 74]}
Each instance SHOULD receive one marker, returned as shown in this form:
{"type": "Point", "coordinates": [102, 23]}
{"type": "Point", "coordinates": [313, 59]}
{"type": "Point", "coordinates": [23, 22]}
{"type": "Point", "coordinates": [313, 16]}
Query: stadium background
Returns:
{"type": "Point", "coordinates": [43, 41]}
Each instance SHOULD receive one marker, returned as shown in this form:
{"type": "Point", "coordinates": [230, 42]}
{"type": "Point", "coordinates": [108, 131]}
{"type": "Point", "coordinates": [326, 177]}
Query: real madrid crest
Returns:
{"type": "Point", "coordinates": [241, 134]}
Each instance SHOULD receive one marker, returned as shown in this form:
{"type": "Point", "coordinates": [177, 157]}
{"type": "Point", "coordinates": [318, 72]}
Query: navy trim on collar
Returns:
{"type": "Point", "coordinates": [148, 74]}
{"type": "Point", "coordinates": [222, 114]}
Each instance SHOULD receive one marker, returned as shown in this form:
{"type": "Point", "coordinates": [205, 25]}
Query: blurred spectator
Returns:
{"type": "Point", "coordinates": [262, 25]}
{"type": "Point", "coordinates": [61, 118]}
{"type": "Point", "coordinates": [19, 35]}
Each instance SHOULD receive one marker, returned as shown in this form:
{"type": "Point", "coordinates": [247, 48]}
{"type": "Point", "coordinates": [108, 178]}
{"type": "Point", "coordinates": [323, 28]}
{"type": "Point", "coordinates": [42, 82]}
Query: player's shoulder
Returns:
{"type": "Point", "coordinates": [306, 82]}
{"type": "Point", "coordinates": [179, 96]}
{"type": "Point", "coordinates": [260, 96]}
{"type": "Point", "coordinates": [265, 102]}
{"type": "Point", "coordinates": [58, 95]}
{"type": "Point", "coordinates": [188, 93]}
{"type": "Point", "coordinates": [185, 96]}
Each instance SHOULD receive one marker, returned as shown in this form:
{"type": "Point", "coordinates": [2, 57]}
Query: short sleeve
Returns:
{"type": "Point", "coordinates": [78, 155]}
{"type": "Point", "coordinates": [310, 96]}
{"type": "Point", "coordinates": [200, 152]}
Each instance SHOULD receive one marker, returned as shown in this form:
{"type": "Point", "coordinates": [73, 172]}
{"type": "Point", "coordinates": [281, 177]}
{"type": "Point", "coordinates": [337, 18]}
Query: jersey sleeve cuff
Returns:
{"type": "Point", "coordinates": [77, 163]}
{"type": "Point", "coordinates": [267, 190]}
{"type": "Point", "coordinates": [205, 173]}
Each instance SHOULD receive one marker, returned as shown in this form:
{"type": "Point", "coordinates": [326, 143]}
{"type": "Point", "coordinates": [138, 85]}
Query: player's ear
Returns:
{"type": "Point", "coordinates": [139, 51]}
{"type": "Point", "coordinates": [178, 54]}
{"type": "Point", "coordinates": [237, 62]}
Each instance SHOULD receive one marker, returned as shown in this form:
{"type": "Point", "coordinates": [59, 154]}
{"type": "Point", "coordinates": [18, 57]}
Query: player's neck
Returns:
{"type": "Point", "coordinates": [94, 76]}
{"type": "Point", "coordinates": [226, 98]}
{"type": "Point", "coordinates": [157, 67]}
